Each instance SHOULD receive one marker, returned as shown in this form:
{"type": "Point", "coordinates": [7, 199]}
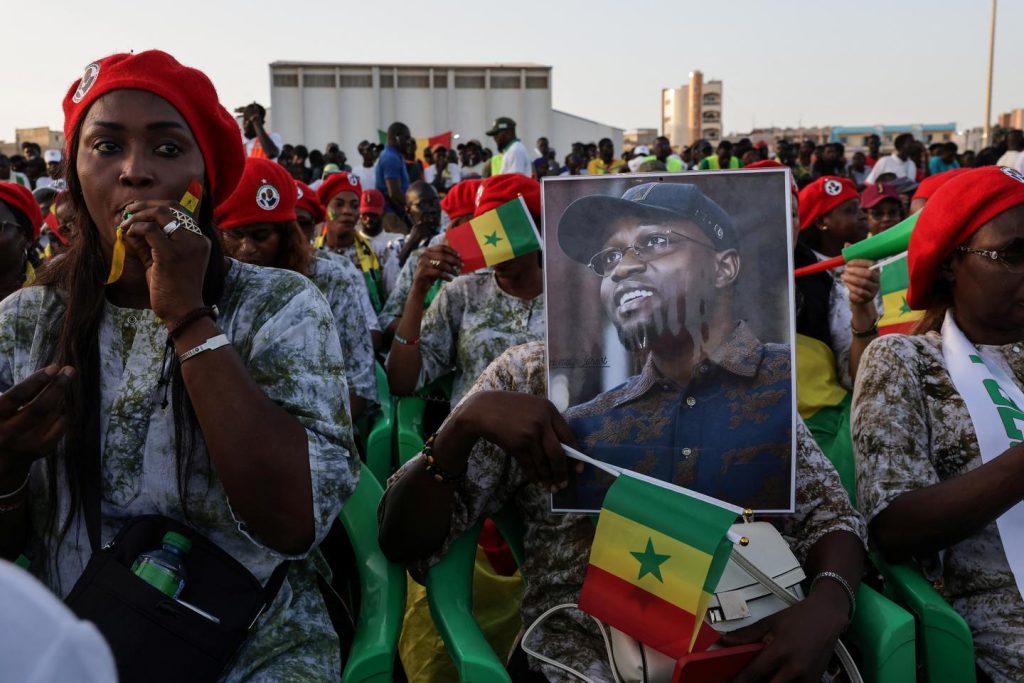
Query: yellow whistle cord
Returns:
{"type": "Point", "coordinates": [116, 259]}
{"type": "Point", "coordinates": [30, 273]}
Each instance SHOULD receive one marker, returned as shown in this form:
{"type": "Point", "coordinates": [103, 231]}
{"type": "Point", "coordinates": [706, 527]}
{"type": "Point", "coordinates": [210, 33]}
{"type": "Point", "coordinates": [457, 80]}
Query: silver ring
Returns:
{"type": "Point", "coordinates": [185, 221]}
{"type": "Point", "coordinates": [435, 262]}
{"type": "Point", "coordinates": [171, 227]}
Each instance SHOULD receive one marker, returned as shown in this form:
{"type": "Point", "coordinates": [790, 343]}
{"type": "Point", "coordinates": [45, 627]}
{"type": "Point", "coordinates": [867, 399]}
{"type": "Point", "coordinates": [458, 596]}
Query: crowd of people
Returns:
{"type": "Point", "coordinates": [213, 359]}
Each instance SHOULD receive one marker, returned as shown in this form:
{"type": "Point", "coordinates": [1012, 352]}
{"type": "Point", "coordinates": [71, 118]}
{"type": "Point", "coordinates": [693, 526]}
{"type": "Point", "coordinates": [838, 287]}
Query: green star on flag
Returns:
{"type": "Point", "coordinates": [905, 308]}
{"type": "Point", "coordinates": [492, 239]}
{"type": "Point", "coordinates": [650, 561]}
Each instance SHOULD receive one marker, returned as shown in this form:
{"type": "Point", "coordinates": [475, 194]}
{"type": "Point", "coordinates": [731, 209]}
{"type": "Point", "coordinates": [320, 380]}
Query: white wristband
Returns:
{"type": "Point", "coordinates": [208, 345]}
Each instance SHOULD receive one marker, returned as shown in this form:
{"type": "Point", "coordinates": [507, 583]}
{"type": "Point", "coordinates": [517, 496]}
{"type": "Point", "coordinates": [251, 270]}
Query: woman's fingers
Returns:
{"type": "Point", "coordinates": [24, 391]}
{"type": "Point", "coordinates": [555, 458]}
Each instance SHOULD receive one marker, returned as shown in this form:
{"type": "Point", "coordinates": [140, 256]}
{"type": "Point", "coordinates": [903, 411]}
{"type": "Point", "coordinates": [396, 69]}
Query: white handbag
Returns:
{"type": "Point", "coordinates": [761, 578]}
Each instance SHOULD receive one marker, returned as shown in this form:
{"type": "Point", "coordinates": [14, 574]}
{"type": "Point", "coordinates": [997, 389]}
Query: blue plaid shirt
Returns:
{"type": "Point", "coordinates": [727, 434]}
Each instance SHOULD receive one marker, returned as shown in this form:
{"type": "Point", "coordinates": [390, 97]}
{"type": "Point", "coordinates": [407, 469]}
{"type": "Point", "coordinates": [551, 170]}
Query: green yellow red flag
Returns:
{"type": "Point", "coordinates": [898, 317]}
{"type": "Point", "coordinates": [658, 554]}
{"type": "Point", "coordinates": [494, 237]}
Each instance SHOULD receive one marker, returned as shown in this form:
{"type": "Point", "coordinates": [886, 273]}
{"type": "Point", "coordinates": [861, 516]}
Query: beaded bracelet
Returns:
{"type": "Point", "coordinates": [190, 317]}
{"type": "Point", "coordinates": [406, 342]}
{"type": "Point", "coordinates": [435, 470]}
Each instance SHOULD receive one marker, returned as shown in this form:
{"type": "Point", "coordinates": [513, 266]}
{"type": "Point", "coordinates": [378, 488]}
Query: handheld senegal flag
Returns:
{"type": "Point", "coordinates": [494, 237]}
{"type": "Point", "coordinates": [898, 317]}
{"type": "Point", "coordinates": [658, 554]}
{"type": "Point", "coordinates": [874, 248]}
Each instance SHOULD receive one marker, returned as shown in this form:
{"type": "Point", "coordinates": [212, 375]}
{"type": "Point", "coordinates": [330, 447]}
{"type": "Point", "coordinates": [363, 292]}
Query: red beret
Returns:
{"type": "Point", "coordinates": [308, 200]}
{"type": "Point", "coordinates": [461, 199]}
{"type": "Point", "coordinates": [501, 189]}
{"type": "Point", "coordinates": [930, 184]}
{"type": "Point", "coordinates": [823, 195]}
{"type": "Point", "coordinates": [951, 216]}
{"type": "Point", "coordinates": [18, 197]}
{"type": "Point", "coordinates": [771, 163]}
{"type": "Point", "coordinates": [188, 90]}
{"type": "Point", "coordinates": [265, 194]}
{"type": "Point", "coordinates": [335, 183]}
{"type": "Point", "coordinates": [372, 201]}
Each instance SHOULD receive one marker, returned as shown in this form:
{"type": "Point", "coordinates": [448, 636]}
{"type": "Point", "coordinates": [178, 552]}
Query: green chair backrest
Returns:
{"type": "Point", "coordinates": [382, 590]}
{"type": "Point", "coordinates": [380, 441]}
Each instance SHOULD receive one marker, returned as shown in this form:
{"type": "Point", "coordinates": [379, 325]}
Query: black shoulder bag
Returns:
{"type": "Point", "coordinates": [153, 637]}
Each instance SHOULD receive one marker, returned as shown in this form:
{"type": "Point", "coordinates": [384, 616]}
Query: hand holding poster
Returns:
{"type": "Point", "coordinates": [670, 328]}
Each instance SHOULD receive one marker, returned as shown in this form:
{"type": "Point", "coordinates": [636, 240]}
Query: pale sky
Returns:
{"type": "Point", "coordinates": [783, 62]}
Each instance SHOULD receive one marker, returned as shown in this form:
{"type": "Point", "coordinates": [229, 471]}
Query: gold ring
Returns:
{"type": "Point", "coordinates": [435, 262]}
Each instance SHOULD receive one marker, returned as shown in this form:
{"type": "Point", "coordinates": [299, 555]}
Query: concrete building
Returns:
{"type": "Point", "coordinates": [639, 136]}
{"type": "Point", "coordinates": [692, 111]}
{"type": "Point", "coordinates": [43, 136]}
{"type": "Point", "coordinates": [1011, 119]}
{"type": "Point", "coordinates": [854, 137]}
{"type": "Point", "coordinates": [817, 134]}
{"type": "Point", "coordinates": [316, 103]}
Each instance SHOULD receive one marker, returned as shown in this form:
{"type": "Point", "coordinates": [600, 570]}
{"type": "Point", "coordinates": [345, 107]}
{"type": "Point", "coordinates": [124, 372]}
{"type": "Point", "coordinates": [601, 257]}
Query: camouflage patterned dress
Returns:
{"type": "Point", "coordinates": [557, 547]}
{"type": "Point", "coordinates": [471, 322]}
{"type": "Point", "coordinates": [284, 332]}
{"type": "Point", "coordinates": [911, 429]}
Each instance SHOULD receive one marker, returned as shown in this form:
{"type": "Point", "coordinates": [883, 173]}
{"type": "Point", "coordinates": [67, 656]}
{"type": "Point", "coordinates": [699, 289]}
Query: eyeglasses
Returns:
{"type": "Point", "coordinates": [647, 248]}
{"type": "Point", "coordinates": [1011, 256]}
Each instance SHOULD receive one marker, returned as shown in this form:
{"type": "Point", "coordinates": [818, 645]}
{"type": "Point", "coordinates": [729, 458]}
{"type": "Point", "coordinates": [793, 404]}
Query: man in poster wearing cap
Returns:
{"type": "Point", "coordinates": [512, 156]}
{"type": "Point", "coordinates": [712, 408]}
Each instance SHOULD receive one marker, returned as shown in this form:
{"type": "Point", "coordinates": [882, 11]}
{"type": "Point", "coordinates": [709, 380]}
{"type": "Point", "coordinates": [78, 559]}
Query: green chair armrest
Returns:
{"type": "Point", "coordinates": [450, 596]}
{"type": "Point", "coordinates": [946, 644]}
{"type": "Point", "coordinates": [409, 427]}
{"type": "Point", "coordinates": [382, 590]}
{"type": "Point", "coordinates": [882, 633]}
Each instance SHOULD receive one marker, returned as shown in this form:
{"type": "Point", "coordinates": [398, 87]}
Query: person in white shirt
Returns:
{"type": "Point", "coordinates": [1014, 145]}
{"type": "Point", "coordinates": [367, 170]}
{"type": "Point", "coordinates": [259, 142]}
{"type": "Point", "coordinates": [43, 641]}
{"type": "Point", "coordinates": [512, 156]}
{"type": "Point", "coordinates": [898, 163]}
{"type": "Point", "coordinates": [449, 172]}
{"type": "Point", "coordinates": [52, 157]}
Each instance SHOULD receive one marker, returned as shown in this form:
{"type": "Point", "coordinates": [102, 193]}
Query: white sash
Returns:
{"type": "Point", "coordinates": [994, 402]}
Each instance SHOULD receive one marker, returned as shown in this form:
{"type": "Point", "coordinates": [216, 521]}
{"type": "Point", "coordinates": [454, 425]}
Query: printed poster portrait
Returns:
{"type": "Point", "coordinates": [670, 331]}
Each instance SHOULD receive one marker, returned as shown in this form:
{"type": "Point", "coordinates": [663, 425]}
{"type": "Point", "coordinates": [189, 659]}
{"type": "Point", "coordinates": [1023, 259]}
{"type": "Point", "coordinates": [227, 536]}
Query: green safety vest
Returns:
{"type": "Point", "coordinates": [713, 165]}
{"type": "Point", "coordinates": [673, 164]}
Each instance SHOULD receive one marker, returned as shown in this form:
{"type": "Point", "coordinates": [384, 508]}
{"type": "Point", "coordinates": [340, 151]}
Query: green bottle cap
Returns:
{"type": "Point", "coordinates": [178, 541]}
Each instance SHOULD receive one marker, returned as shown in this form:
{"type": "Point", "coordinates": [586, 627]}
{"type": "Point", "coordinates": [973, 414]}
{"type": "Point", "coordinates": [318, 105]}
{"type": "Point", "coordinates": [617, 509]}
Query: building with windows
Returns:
{"type": "Point", "coordinates": [316, 103]}
{"type": "Point", "coordinates": [639, 136]}
{"type": "Point", "coordinates": [854, 138]}
{"type": "Point", "coordinates": [1011, 119]}
{"type": "Point", "coordinates": [44, 137]}
{"type": "Point", "coordinates": [691, 112]}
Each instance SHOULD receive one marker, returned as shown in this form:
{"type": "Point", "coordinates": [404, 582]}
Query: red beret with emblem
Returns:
{"type": "Point", "coordinates": [955, 212]}
{"type": "Point", "coordinates": [308, 200]}
{"type": "Point", "coordinates": [501, 189]}
{"type": "Point", "coordinates": [823, 195]}
{"type": "Point", "coordinates": [188, 90]}
{"type": "Point", "coordinates": [338, 182]}
{"type": "Point", "coordinates": [265, 194]}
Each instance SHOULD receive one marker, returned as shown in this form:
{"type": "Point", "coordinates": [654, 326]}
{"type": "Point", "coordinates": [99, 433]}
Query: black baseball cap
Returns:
{"type": "Point", "coordinates": [588, 222]}
{"type": "Point", "coordinates": [501, 123]}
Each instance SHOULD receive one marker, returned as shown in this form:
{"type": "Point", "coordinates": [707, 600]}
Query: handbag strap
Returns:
{"type": "Point", "coordinates": [780, 592]}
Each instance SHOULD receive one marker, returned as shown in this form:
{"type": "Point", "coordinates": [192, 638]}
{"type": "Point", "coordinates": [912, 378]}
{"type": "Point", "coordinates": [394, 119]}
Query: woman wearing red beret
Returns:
{"type": "Point", "coordinates": [937, 415]}
{"type": "Point", "coordinates": [831, 218]}
{"type": "Point", "coordinates": [118, 364]}
{"type": "Point", "coordinates": [475, 317]}
{"type": "Point", "coordinates": [20, 222]}
{"type": "Point", "coordinates": [259, 226]}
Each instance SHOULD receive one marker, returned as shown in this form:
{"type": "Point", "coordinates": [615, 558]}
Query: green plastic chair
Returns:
{"type": "Point", "coordinates": [882, 633]}
{"type": "Point", "coordinates": [945, 647]}
{"type": "Point", "coordinates": [380, 438]}
{"type": "Point", "coordinates": [409, 412]}
{"type": "Point", "coordinates": [382, 591]}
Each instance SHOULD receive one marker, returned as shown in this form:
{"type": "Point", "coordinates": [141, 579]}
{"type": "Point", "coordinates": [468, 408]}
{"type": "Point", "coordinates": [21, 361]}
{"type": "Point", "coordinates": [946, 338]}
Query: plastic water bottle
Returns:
{"type": "Point", "coordinates": [164, 569]}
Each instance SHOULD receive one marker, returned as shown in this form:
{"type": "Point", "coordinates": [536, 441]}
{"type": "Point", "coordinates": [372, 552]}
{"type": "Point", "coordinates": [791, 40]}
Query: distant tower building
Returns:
{"type": "Point", "coordinates": [692, 111]}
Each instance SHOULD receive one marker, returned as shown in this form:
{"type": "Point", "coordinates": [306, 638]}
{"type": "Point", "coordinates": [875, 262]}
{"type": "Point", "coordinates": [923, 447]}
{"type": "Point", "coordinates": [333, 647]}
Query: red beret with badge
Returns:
{"type": "Point", "coordinates": [823, 195]}
{"type": "Point", "coordinates": [265, 194]}
{"type": "Point", "coordinates": [955, 212]}
{"type": "Point", "coordinates": [308, 200]}
{"type": "Point", "coordinates": [501, 189]}
{"type": "Point", "coordinates": [187, 90]}
{"type": "Point", "coordinates": [338, 182]}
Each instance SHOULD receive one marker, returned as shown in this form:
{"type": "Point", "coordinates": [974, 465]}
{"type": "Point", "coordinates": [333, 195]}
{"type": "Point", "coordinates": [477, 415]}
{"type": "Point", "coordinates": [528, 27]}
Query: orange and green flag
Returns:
{"type": "Point", "coordinates": [494, 237]}
{"type": "Point", "coordinates": [658, 554]}
{"type": "Point", "coordinates": [898, 317]}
